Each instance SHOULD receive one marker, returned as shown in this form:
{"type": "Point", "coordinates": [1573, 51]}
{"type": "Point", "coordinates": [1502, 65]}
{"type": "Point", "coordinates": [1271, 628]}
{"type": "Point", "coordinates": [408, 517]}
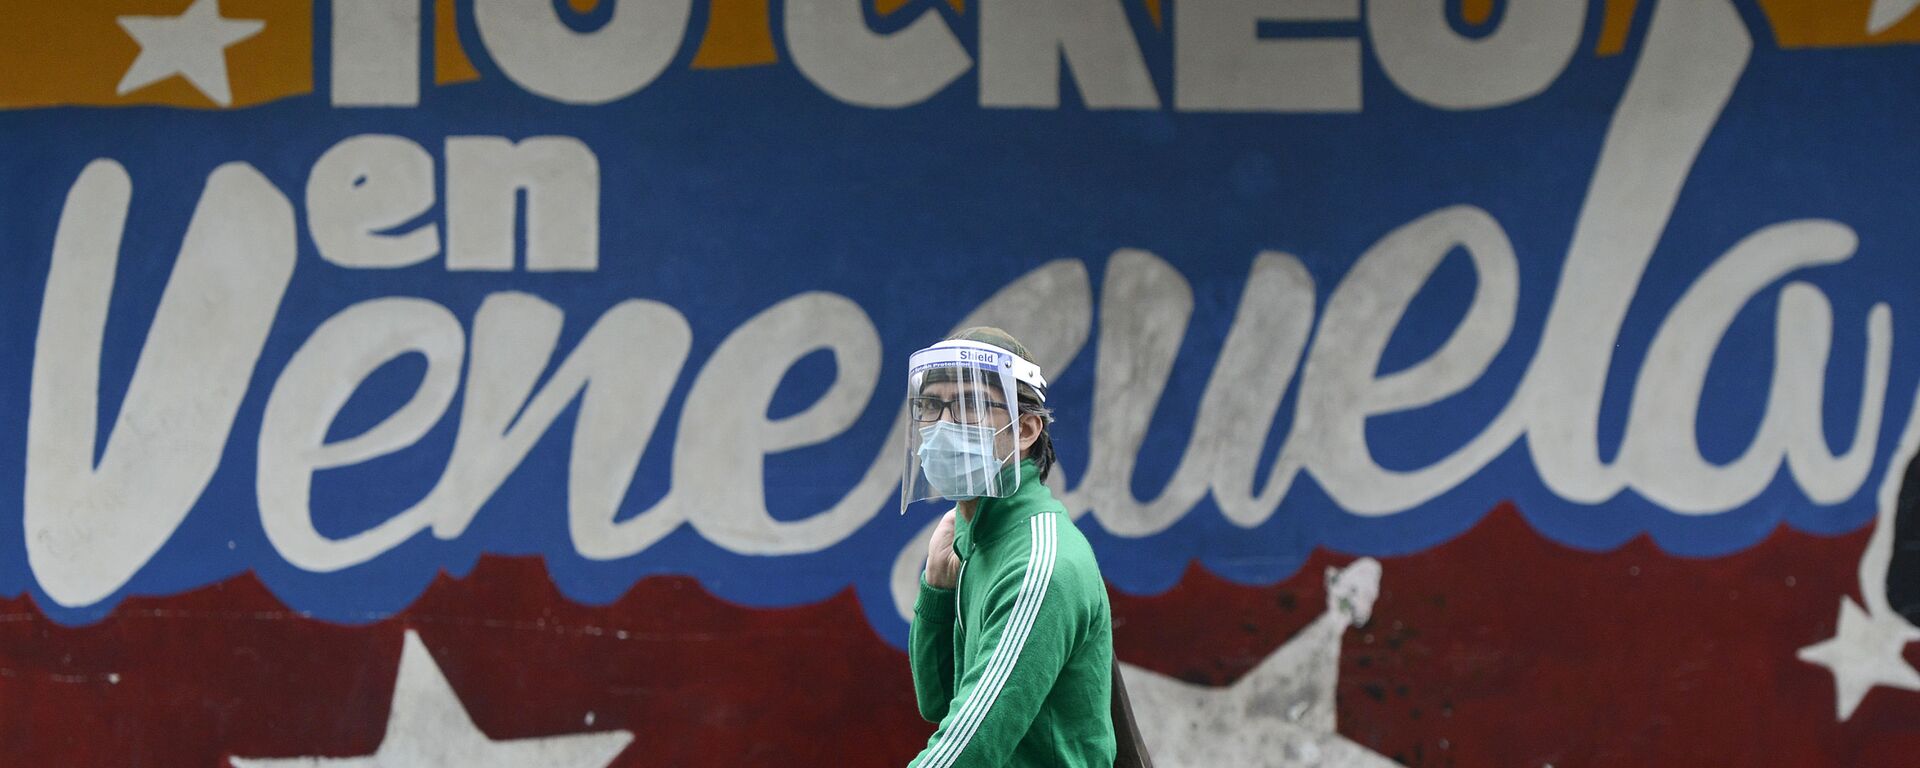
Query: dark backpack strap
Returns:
{"type": "Point", "coordinates": [1126, 733]}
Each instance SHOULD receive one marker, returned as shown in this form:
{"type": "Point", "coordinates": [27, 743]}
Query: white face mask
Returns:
{"type": "Point", "coordinates": [958, 459]}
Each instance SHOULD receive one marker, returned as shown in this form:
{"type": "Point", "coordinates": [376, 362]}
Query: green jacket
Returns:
{"type": "Point", "coordinates": [1016, 662]}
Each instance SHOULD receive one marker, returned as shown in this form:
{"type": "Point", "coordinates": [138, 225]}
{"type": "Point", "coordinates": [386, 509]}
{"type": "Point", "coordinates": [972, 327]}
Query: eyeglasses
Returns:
{"type": "Point", "coordinates": [964, 410]}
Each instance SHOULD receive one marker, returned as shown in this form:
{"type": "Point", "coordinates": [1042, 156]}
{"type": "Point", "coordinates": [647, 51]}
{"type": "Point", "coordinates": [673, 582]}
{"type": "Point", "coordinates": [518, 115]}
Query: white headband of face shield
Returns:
{"type": "Point", "coordinates": [979, 354]}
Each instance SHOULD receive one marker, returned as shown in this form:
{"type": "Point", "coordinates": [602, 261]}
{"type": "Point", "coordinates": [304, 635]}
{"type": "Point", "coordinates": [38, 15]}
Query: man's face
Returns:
{"type": "Point", "coordinates": [980, 404]}
{"type": "Point", "coordinates": [972, 403]}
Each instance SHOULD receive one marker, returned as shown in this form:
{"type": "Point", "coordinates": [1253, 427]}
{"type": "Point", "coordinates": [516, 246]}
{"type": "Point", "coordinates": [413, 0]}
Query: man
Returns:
{"type": "Point", "coordinates": [1012, 639]}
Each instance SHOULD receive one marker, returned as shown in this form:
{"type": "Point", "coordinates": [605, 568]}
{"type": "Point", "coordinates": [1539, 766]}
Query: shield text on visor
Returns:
{"type": "Point", "coordinates": [963, 426]}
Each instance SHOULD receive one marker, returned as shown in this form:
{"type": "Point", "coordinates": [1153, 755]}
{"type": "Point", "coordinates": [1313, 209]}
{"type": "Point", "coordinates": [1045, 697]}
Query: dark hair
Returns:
{"type": "Point", "coordinates": [1042, 449]}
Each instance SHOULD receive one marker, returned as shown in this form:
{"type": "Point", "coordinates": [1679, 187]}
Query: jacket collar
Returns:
{"type": "Point", "coordinates": [993, 518]}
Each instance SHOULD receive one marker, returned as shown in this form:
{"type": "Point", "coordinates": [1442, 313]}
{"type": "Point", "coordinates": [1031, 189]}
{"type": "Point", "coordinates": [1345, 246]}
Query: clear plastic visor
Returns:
{"type": "Point", "coordinates": [963, 427]}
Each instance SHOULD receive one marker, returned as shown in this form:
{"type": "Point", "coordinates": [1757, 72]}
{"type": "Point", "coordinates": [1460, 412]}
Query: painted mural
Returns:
{"type": "Point", "coordinates": [516, 382]}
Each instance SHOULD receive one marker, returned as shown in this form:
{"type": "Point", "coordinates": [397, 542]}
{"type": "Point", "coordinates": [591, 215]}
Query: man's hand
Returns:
{"type": "Point", "coordinates": [943, 566]}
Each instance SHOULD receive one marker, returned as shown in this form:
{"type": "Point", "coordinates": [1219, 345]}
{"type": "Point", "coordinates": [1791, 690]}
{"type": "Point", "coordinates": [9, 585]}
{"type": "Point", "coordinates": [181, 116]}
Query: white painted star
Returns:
{"type": "Point", "coordinates": [427, 726]}
{"type": "Point", "coordinates": [1281, 714]}
{"type": "Point", "coordinates": [192, 45]}
{"type": "Point", "coordinates": [1886, 13]}
{"type": "Point", "coordinates": [1863, 653]}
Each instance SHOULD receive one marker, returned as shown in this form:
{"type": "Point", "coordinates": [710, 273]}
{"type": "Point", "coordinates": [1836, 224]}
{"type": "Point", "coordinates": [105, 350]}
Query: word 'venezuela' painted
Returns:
{"type": "Point", "coordinates": [90, 526]}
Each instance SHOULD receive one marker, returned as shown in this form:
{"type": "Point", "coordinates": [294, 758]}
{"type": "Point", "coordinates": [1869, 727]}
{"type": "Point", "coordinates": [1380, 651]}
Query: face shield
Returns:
{"type": "Point", "coordinates": [963, 425]}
